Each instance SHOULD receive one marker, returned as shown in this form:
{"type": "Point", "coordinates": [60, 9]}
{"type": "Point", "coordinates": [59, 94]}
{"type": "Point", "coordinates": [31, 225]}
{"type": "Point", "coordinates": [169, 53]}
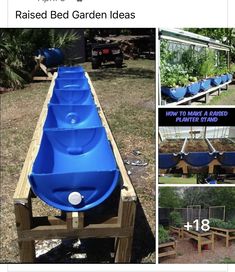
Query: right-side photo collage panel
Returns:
{"type": "Point", "coordinates": [196, 146]}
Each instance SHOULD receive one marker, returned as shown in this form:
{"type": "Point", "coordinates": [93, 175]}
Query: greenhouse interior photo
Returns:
{"type": "Point", "coordinates": [191, 150]}
{"type": "Point", "coordinates": [196, 69]}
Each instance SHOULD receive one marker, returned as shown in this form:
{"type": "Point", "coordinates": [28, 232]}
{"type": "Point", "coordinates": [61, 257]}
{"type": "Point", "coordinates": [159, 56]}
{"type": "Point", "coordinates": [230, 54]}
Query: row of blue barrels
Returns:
{"type": "Point", "coordinates": [75, 168]}
{"type": "Point", "coordinates": [197, 159]}
{"type": "Point", "coordinates": [177, 94]}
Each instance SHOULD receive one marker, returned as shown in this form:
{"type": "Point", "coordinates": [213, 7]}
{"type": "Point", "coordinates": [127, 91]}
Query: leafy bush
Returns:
{"type": "Point", "coordinates": [17, 48]}
{"type": "Point", "coordinates": [217, 223]}
{"type": "Point", "coordinates": [163, 235]}
{"type": "Point", "coordinates": [175, 219]}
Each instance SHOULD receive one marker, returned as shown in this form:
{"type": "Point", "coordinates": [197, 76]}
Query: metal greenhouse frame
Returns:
{"type": "Point", "coordinates": [185, 37]}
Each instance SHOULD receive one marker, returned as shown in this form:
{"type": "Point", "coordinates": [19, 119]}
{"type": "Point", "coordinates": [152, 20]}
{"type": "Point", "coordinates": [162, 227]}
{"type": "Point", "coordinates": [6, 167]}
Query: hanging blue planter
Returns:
{"type": "Point", "coordinates": [227, 158]}
{"type": "Point", "coordinates": [205, 84]}
{"type": "Point", "coordinates": [224, 78]}
{"type": "Point", "coordinates": [175, 94]}
{"type": "Point", "coordinates": [229, 77]}
{"type": "Point", "coordinates": [168, 160]}
{"type": "Point", "coordinates": [216, 81]}
{"type": "Point", "coordinates": [81, 97]}
{"type": "Point", "coordinates": [198, 159]}
{"type": "Point", "coordinates": [71, 84]}
{"type": "Point", "coordinates": [75, 169]}
{"type": "Point", "coordinates": [193, 88]}
{"type": "Point", "coordinates": [71, 72]}
{"type": "Point", "coordinates": [72, 116]}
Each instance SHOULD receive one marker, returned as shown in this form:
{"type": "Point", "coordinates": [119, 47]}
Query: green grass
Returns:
{"type": "Point", "coordinates": [228, 260]}
{"type": "Point", "coordinates": [126, 96]}
{"type": "Point", "coordinates": [176, 180]}
{"type": "Point", "coordinates": [226, 97]}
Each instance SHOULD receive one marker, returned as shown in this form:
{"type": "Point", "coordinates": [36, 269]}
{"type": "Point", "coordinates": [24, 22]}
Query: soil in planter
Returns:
{"type": "Point", "coordinates": [195, 145]}
{"type": "Point", "coordinates": [171, 146]}
{"type": "Point", "coordinates": [223, 145]}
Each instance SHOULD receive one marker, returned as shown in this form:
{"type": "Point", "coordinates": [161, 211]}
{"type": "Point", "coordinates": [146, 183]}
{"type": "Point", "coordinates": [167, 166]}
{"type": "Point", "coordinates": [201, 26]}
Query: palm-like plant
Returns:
{"type": "Point", "coordinates": [17, 47]}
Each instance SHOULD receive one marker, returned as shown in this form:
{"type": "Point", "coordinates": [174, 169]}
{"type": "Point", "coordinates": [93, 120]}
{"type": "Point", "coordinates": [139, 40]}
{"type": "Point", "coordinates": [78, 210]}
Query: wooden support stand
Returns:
{"type": "Point", "coordinates": [228, 234]}
{"type": "Point", "coordinates": [206, 238]}
{"type": "Point", "coordinates": [167, 249]}
{"type": "Point", "coordinates": [118, 224]}
{"type": "Point", "coordinates": [41, 67]}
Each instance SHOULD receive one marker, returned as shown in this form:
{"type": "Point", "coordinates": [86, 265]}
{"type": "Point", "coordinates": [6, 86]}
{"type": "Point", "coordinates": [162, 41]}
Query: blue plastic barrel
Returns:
{"type": "Point", "coordinates": [71, 72]}
{"type": "Point", "coordinates": [53, 56]}
{"type": "Point", "coordinates": [175, 94]}
{"type": "Point", "coordinates": [216, 81]}
{"type": "Point", "coordinates": [72, 116]}
{"type": "Point", "coordinates": [75, 169]}
{"type": "Point", "coordinates": [168, 160]}
{"type": "Point", "coordinates": [205, 84]}
{"type": "Point", "coordinates": [229, 77]}
{"type": "Point", "coordinates": [193, 88]}
{"type": "Point", "coordinates": [224, 78]}
{"type": "Point", "coordinates": [81, 97]}
{"type": "Point", "coordinates": [227, 158]}
{"type": "Point", "coordinates": [71, 84]}
{"type": "Point", "coordinates": [198, 159]}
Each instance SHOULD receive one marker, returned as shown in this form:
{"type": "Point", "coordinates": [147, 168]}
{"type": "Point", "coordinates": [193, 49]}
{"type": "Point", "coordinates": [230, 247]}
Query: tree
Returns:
{"type": "Point", "coordinates": [169, 197]}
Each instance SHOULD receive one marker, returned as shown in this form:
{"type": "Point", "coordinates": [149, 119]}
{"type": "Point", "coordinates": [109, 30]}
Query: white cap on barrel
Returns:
{"type": "Point", "coordinates": [75, 198]}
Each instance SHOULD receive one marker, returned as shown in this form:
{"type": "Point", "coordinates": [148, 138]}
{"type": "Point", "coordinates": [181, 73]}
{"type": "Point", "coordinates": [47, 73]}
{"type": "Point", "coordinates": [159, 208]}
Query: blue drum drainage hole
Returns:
{"type": "Point", "coordinates": [72, 118]}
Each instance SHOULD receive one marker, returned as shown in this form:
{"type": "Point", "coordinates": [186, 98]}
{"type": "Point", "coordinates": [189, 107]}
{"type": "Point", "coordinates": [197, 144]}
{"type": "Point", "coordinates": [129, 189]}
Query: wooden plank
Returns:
{"type": "Point", "coordinates": [61, 231]}
{"type": "Point", "coordinates": [168, 244]}
{"type": "Point", "coordinates": [128, 192]}
{"type": "Point", "coordinates": [23, 216]}
{"type": "Point", "coordinates": [23, 186]}
{"type": "Point", "coordinates": [167, 253]}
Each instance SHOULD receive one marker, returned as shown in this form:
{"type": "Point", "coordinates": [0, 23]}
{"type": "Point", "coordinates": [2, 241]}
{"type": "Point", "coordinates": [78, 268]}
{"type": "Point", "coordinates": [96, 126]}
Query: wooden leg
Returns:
{"type": "Point", "coordinates": [126, 218]}
{"type": "Point", "coordinates": [23, 214]}
{"type": "Point", "coordinates": [123, 250]}
{"type": "Point", "coordinates": [227, 239]}
{"type": "Point", "coordinates": [213, 242]}
{"type": "Point", "coordinates": [199, 246]}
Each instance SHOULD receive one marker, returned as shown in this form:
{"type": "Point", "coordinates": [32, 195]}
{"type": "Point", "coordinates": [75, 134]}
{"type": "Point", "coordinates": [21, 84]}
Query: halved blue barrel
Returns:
{"type": "Point", "coordinates": [75, 169]}
{"type": "Point", "coordinates": [198, 159]}
{"type": "Point", "coordinates": [193, 88]}
{"type": "Point", "coordinates": [216, 81]}
{"type": "Point", "coordinates": [168, 160]}
{"type": "Point", "coordinates": [205, 84]}
{"type": "Point", "coordinates": [72, 116]}
{"type": "Point", "coordinates": [81, 97]}
{"type": "Point", "coordinates": [229, 77]}
{"type": "Point", "coordinates": [71, 84]}
{"type": "Point", "coordinates": [52, 56]}
{"type": "Point", "coordinates": [227, 158]}
{"type": "Point", "coordinates": [175, 94]}
{"type": "Point", "coordinates": [71, 72]}
{"type": "Point", "coordinates": [224, 78]}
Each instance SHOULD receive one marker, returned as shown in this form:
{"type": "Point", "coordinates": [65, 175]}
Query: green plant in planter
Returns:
{"type": "Point", "coordinates": [206, 64]}
{"type": "Point", "coordinates": [163, 235]}
{"type": "Point", "coordinates": [217, 223]}
{"type": "Point", "coordinates": [175, 219]}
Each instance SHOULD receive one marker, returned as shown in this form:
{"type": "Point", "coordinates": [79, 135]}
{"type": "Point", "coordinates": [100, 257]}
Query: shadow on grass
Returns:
{"type": "Point", "coordinates": [102, 250]}
{"type": "Point", "coordinates": [109, 73]}
{"type": "Point", "coordinates": [144, 240]}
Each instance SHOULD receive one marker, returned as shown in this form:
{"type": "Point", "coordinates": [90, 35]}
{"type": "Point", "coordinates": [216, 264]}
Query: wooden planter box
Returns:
{"type": "Point", "coordinates": [206, 238]}
{"type": "Point", "coordinates": [176, 230]}
{"type": "Point", "coordinates": [73, 224]}
{"type": "Point", "coordinates": [167, 249]}
{"type": "Point", "coordinates": [228, 234]}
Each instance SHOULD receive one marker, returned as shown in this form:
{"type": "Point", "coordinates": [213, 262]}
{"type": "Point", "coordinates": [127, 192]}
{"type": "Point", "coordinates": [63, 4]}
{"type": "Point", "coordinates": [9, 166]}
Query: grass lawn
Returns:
{"type": "Point", "coordinates": [176, 180]}
{"type": "Point", "coordinates": [226, 97]}
{"type": "Point", "coordinates": [127, 97]}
